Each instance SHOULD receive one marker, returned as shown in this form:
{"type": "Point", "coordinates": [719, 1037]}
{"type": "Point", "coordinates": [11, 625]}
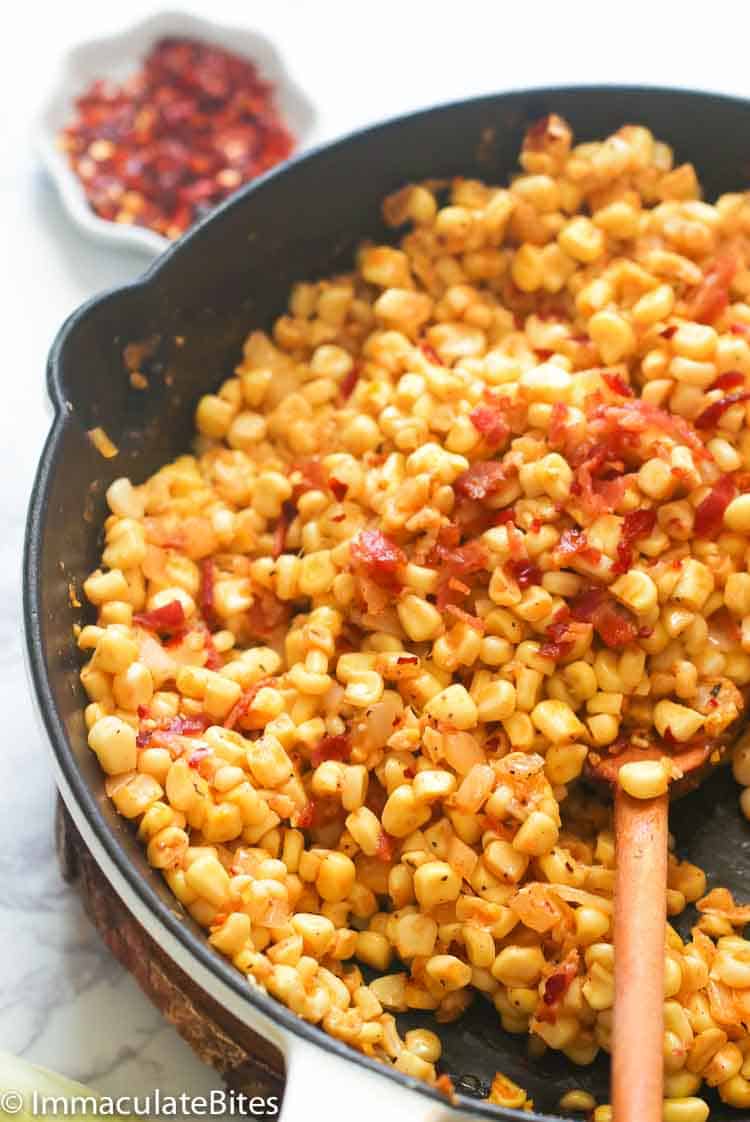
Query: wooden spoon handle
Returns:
{"type": "Point", "coordinates": [640, 918]}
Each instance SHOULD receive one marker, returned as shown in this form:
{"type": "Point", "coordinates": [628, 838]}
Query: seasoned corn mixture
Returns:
{"type": "Point", "coordinates": [469, 519]}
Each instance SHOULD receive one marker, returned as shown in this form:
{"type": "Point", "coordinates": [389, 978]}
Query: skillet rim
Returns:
{"type": "Point", "coordinates": [83, 794]}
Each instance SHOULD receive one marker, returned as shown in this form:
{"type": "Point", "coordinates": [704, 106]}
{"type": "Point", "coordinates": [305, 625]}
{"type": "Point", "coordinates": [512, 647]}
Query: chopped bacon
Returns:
{"type": "Point", "coordinates": [462, 560]}
{"type": "Point", "coordinates": [713, 413]}
{"type": "Point", "coordinates": [306, 816]}
{"type": "Point", "coordinates": [213, 658]}
{"type": "Point", "coordinates": [556, 986]}
{"type": "Point", "coordinates": [574, 543]}
{"type": "Point", "coordinates": [728, 381]}
{"type": "Point", "coordinates": [524, 573]}
{"type": "Point", "coordinates": [617, 384]}
{"type": "Point", "coordinates": [558, 425]}
{"type": "Point", "coordinates": [709, 514]}
{"type": "Point", "coordinates": [206, 593]}
{"type": "Point", "coordinates": [339, 489]}
{"type": "Point", "coordinates": [561, 637]}
{"type": "Point", "coordinates": [265, 614]}
{"type": "Point", "coordinates": [170, 727]}
{"type": "Point", "coordinates": [622, 424]}
{"type": "Point", "coordinates": [384, 851]}
{"type": "Point", "coordinates": [349, 381]}
{"type": "Point", "coordinates": [167, 618]}
{"type": "Point", "coordinates": [314, 477]}
{"type": "Point", "coordinates": [431, 354]}
{"type": "Point", "coordinates": [285, 519]}
{"type": "Point", "coordinates": [637, 524]}
{"type": "Point", "coordinates": [464, 617]}
{"type": "Point", "coordinates": [491, 424]}
{"type": "Point", "coordinates": [711, 297]}
{"type": "Point", "coordinates": [241, 707]}
{"type": "Point", "coordinates": [481, 480]}
{"type": "Point", "coordinates": [504, 517]}
{"type": "Point", "coordinates": [377, 557]}
{"type": "Point", "coordinates": [612, 622]}
{"type": "Point", "coordinates": [331, 748]}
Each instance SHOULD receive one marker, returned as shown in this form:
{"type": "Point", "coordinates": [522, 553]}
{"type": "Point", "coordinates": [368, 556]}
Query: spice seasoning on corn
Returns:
{"type": "Point", "coordinates": [468, 517]}
{"type": "Point", "coordinates": [175, 138]}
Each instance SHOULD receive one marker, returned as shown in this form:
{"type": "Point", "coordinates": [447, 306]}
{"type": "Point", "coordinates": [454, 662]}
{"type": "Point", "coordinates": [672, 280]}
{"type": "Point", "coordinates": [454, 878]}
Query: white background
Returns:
{"type": "Point", "coordinates": [63, 1002]}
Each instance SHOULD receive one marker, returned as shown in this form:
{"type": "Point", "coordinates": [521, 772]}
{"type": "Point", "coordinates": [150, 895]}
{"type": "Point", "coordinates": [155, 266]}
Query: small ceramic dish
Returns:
{"type": "Point", "coordinates": [116, 56]}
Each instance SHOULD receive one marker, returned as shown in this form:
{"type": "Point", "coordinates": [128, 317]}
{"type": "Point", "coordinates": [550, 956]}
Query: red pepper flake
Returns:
{"type": "Point", "coordinates": [709, 514]}
{"type": "Point", "coordinates": [285, 519]}
{"type": "Point", "coordinates": [713, 413]}
{"type": "Point", "coordinates": [613, 623]}
{"type": "Point", "coordinates": [167, 618]}
{"type": "Point", "coordinates": [241, 707]}
{"type": "Point", "coordinates": [431, 354]}
{"type": "Point", "coordinates": [378, 556]}
{"type": "Point", "coordinates": [481, 480]}
{"type": "Point", "coordinates": [711, 297]}
{"type": "Point", "coordinates": [206, 593]}
{"type": "Point", "coordinates": [556, 986]}
{"type": "Point", "coordinates": [339, 489]}
{"type": "Point", "coordinates": [176, 138]}
{"type": "Point", "coordinates": [465, 617]}
{"type": "Point", "coordinates": [669, 332]}
{"type": "Point", "coordinates": [384, 851]}
{"type": "Point", "coordinates": [313, 477]}
{"type": "Point", "coordinates": [729, 380]}
{"type": "Point", "coordinates": [524, 573]}
{"type": "Point", "coordinates": [213, 658]}
{"type": "Point", "coordinates": [331, 748]}
{"type": "Point", "coordinates": [349, 381]}
{"type": "Point", "coordinates": [306, 817]}
{"type": "Point", "coordinates": [637, 524]}
{"type": "Point", "coordinates": [172, 726]}
{"type": "Point", "coordinates": [491, 424]}
{"type": "Point", "coordinates": [617, 384]}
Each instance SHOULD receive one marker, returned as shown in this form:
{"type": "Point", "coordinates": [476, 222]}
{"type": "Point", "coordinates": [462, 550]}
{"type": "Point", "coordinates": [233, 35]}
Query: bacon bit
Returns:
{"type": "Point", "coordinates": [384, 851]}
{"type": "Point", "coordinates": [306, 816]}
{"type": "Point", "coordinates": [144, 713]}
{"type": "Point", "coordinates": [431, 354]}
{"type": "Point", "coordinates": [378, 557]}
{"type": "Point", "coordinates": [339, 489]}
{"type": "Point", "coordinates": [265, 614]}
{"type": "Point", "coordinates": [637, 524]}
{"type": "Point", "coordinates": [556, 986]}
{"type": "Point", "coordinates": [504, 517]}
{"type": "Point", "coordinates": [287, 516]}
{"type": "Point", "coordinates": [713, 413]}
{"type": "Point", "coordinates": [623, 423]}
{"type": "Point", "coordinates": [464, 617]}
{"type": "Point", "coordinates": [491, 424]}
{"type": "Point", "coordinates": [669, 332]}
{"type": "Point", "coordinates": [728, 380]}
{"type": "Point", "coordinates": [206, 594]}
{"type": "Point", "coordinates": [463, 560]}
{"type": "Point", "coordinates": [174, 726]}
{"type": "Point", "coordinates": [481, 480]}
{"type": "Point", "coordinates": [349, 381]}
{"type": "Point", "coordinates": [611, 621]}
{"type": "Point", "coordinates": [331, 748]}
{"type": "Point", "coordinates": [558, 425]}
{"type": "Point", "coordinates": [709, 514]}
{"type": "Point", "coordinates": [449, 535]}
{"type": "Point", "coordinates": [213, 658]}
{"type": "Point", "coordinates": [575, 543]}
{"type": "Point", "coordinates": [167, 618]}
{"type": "Point", "coordinates": [241, 707]}
{"type": "Point", "coordinates": [617, 384]}
{"type": "Point", "coordinates": [524, 573]}
{"type": "Point", "coordinates": [313, 478]}
{"type": "Point", "coordinates": [198, 755]}
{"type": "Point", "coordinates": [711, 297]}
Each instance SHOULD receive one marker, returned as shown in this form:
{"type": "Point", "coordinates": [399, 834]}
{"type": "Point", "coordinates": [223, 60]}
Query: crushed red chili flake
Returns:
{"type": "Point", "coordinates": [349, 381]}
{"type": "Point", "coordinates": [481, 480]}
{"type": "Point", "coordinates": [491, 424]}
{"type": "Point", "coordinates": [709, 514]}
{"type": "Point", "coordinates": [331, 748]}
{"type": "Point", "coordinates": [617, 384]}
{"type": "Point", "coordinates": [669, 332]}
{"type": "Point", "coordinates": [556, 986]}
{"type": "Point", "coordinates": [176, 138]}
{"type": "Point", "coordinates": [339, 489]}
{"type": "Point", "coordinates": [167, 618]}
{"type": "Point", "coordinates": [711, 297]}
{"type": "Point", "coordinates": [431, 354]}
{"type": "Point", "coordinates": [524, 573]}
{"type": "Point", "coordinates": [206, 592]}
{"type": "Point", "coordinates": [713, 413]}
{"type": "Point", "coordinates": [613, 623]}
{"type": "Point", "coordinates": [241, 707]}
{"type": "Point", "coordinates": [728, 381]}
{"type": "Point", "coordinates": [313, 477]}
{"type": "Point", "coordinates": [637, 524]}
{"type": "Point", "coordinates": [378, 556]}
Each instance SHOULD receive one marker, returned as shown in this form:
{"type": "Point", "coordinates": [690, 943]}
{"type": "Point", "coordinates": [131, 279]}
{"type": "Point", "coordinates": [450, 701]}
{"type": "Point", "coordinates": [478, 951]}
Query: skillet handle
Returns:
{"type": "Point", "coordinates": [322, 1085]}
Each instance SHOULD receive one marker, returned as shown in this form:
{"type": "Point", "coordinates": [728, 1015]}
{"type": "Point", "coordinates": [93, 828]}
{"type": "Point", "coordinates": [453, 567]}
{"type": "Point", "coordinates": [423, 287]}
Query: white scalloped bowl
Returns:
{"type": "Point", "coordinates": [116, 56]}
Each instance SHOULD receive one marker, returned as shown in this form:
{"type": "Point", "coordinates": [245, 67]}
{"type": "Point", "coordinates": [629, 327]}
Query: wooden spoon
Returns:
{"type": "Point", "coordinates": [641, 828]}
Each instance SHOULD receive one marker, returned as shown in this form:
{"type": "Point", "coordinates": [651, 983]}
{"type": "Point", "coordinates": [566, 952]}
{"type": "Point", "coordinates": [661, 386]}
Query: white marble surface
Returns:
{"type": "Point", "coordinates": [63, 1001]}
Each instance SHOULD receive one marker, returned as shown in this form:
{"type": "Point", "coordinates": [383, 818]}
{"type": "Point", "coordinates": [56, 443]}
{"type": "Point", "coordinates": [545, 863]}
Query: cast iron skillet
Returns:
{"type": "Point", "coordinates": [230, 274]}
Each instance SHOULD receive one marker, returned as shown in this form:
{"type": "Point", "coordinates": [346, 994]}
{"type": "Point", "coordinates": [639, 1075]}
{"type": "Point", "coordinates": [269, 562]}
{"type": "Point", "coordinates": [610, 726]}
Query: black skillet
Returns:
{"type": "Point", "coordinates": [233, 273]}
